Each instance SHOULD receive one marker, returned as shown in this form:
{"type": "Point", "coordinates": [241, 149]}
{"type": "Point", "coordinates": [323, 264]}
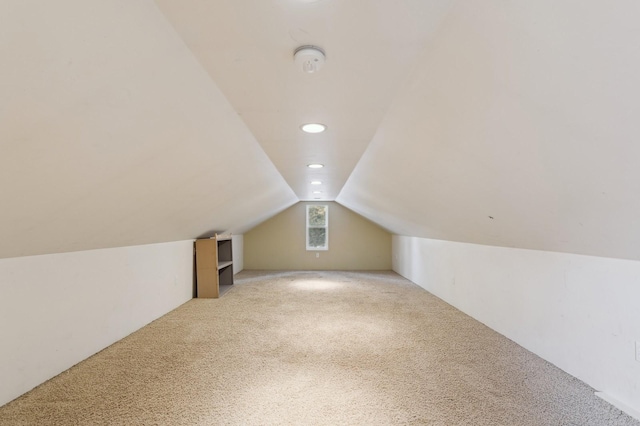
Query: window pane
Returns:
{"type": "Point", "coordinates": [317, 216]}
{"type": "Point", "coordinates": [317, 237]}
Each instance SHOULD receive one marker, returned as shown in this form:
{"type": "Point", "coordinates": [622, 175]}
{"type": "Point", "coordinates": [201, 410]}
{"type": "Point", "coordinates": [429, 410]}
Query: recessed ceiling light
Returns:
{"type": "Point", "coordinates": [315, 166]}
{"type": "Point", "coordinates": [316, 182]}
{"type": "Point", "coordinates": [317, 192]}
{"type": "Point", "coordinates": [313, 128]}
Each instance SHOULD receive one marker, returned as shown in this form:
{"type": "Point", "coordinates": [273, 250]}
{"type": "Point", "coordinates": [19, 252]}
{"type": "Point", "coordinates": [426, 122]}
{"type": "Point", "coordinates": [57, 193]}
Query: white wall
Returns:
{"type": "Point", "coordinates": [515, 130]}
{"type": "Point", "coordinates": [581, 313]}
{"type": "Point", "coordinates": [237, 247]}
{"type": "Point", "coordinates": [56, 310]}
{"type": "Point", "coordinates": [118, 135]}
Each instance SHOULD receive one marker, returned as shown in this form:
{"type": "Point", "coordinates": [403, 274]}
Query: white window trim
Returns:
{"type": "Point", "coordinates": [326, 228]}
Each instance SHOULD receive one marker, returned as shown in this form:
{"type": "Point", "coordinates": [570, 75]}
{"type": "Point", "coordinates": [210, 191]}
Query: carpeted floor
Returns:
{"type": "Point", "coordinates": [327, 348]}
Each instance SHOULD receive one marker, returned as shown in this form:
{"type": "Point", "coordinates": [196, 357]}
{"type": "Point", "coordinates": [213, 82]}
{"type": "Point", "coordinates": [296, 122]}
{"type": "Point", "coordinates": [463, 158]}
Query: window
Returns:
{"type": "Point", "coordinates": [317, 227]}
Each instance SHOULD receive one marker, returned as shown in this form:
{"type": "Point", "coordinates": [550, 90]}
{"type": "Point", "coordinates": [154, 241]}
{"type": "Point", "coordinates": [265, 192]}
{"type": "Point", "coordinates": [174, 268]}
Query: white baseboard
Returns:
{"type": "Point", "coordinates": [621, 406]}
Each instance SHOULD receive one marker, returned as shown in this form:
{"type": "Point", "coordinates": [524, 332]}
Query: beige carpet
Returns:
{"type": "Point", "coordinates": [329, 348]}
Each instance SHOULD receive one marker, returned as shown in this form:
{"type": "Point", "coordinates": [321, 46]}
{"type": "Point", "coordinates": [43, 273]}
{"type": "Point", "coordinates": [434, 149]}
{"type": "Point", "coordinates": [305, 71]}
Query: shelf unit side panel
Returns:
{"type": "Point", "coordinates": [207, 279]}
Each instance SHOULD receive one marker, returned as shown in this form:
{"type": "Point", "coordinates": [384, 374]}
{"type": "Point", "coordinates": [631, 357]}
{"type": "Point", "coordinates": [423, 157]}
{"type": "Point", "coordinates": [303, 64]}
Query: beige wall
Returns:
{"type": "Point", "coordinates": [354, 242]}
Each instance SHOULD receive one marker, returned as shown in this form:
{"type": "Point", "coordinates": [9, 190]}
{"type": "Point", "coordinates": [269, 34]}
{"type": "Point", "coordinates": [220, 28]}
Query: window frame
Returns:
{"type": "Point", "coordinates": [326, 227]}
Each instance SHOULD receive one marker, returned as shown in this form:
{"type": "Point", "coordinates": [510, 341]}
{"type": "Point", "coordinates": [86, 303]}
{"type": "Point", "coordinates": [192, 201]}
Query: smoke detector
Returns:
{"type": "Point", "coordinates": [310, 58]}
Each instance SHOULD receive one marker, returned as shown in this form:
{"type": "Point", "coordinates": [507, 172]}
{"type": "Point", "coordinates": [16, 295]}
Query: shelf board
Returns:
{"type": "Point", "coordinates": [223, 265]}
{"type": "Point", "coordinates": [225, 288]}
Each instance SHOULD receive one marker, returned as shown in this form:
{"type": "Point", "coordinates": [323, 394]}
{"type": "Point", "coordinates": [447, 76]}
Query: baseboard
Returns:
{"type": "Point", "coordinates": [621, 406]}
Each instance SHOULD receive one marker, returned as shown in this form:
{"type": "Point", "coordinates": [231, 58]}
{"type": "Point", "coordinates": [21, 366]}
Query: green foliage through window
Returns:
{"type": "Point", "coordinates": [317, 215]}
{"type": "Point", "coordinates": [317, 237]}
{"type": "Point", "coordinates": [317, 227]}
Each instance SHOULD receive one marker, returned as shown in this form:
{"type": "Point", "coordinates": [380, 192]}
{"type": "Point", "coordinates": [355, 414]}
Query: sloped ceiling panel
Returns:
{"type": "Point", "coordinates": [111, 134]}
{"type": "Point", "coordinates": [519, 128]}
{"type": "Point", "coordinates": [247, 47]}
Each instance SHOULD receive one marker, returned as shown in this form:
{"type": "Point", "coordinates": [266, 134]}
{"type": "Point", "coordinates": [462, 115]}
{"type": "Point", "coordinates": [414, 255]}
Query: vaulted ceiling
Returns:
{"type": "Point", "coordinates": [134, 122]}
{"type": "Point", "coordinates": [247, 48]}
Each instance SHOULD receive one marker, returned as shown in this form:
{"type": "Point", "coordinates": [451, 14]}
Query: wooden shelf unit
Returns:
{"type": "Point", "coordinates": [214, 265]}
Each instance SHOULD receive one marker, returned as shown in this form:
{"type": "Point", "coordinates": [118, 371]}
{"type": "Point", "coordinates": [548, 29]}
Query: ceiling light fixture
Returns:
{"type": "Point", "coordinates": [317, 192]}
{"type": "Point", "coordinates": [313, 128]}
{"type": "Point", "coordinates": [310, 58]}
{"type": "Point", "coordinates": [316, 182]}
{"type": "Point", "coordinates": [315, 166]}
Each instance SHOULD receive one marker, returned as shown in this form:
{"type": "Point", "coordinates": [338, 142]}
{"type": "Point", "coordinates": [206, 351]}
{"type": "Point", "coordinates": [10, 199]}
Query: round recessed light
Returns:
{"type": "Point", "coordinates": [315, 166]}
{"type": "Point", "coordinates": [313, 128]}
{"type": "Point", "coordinates": [316, 182]}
